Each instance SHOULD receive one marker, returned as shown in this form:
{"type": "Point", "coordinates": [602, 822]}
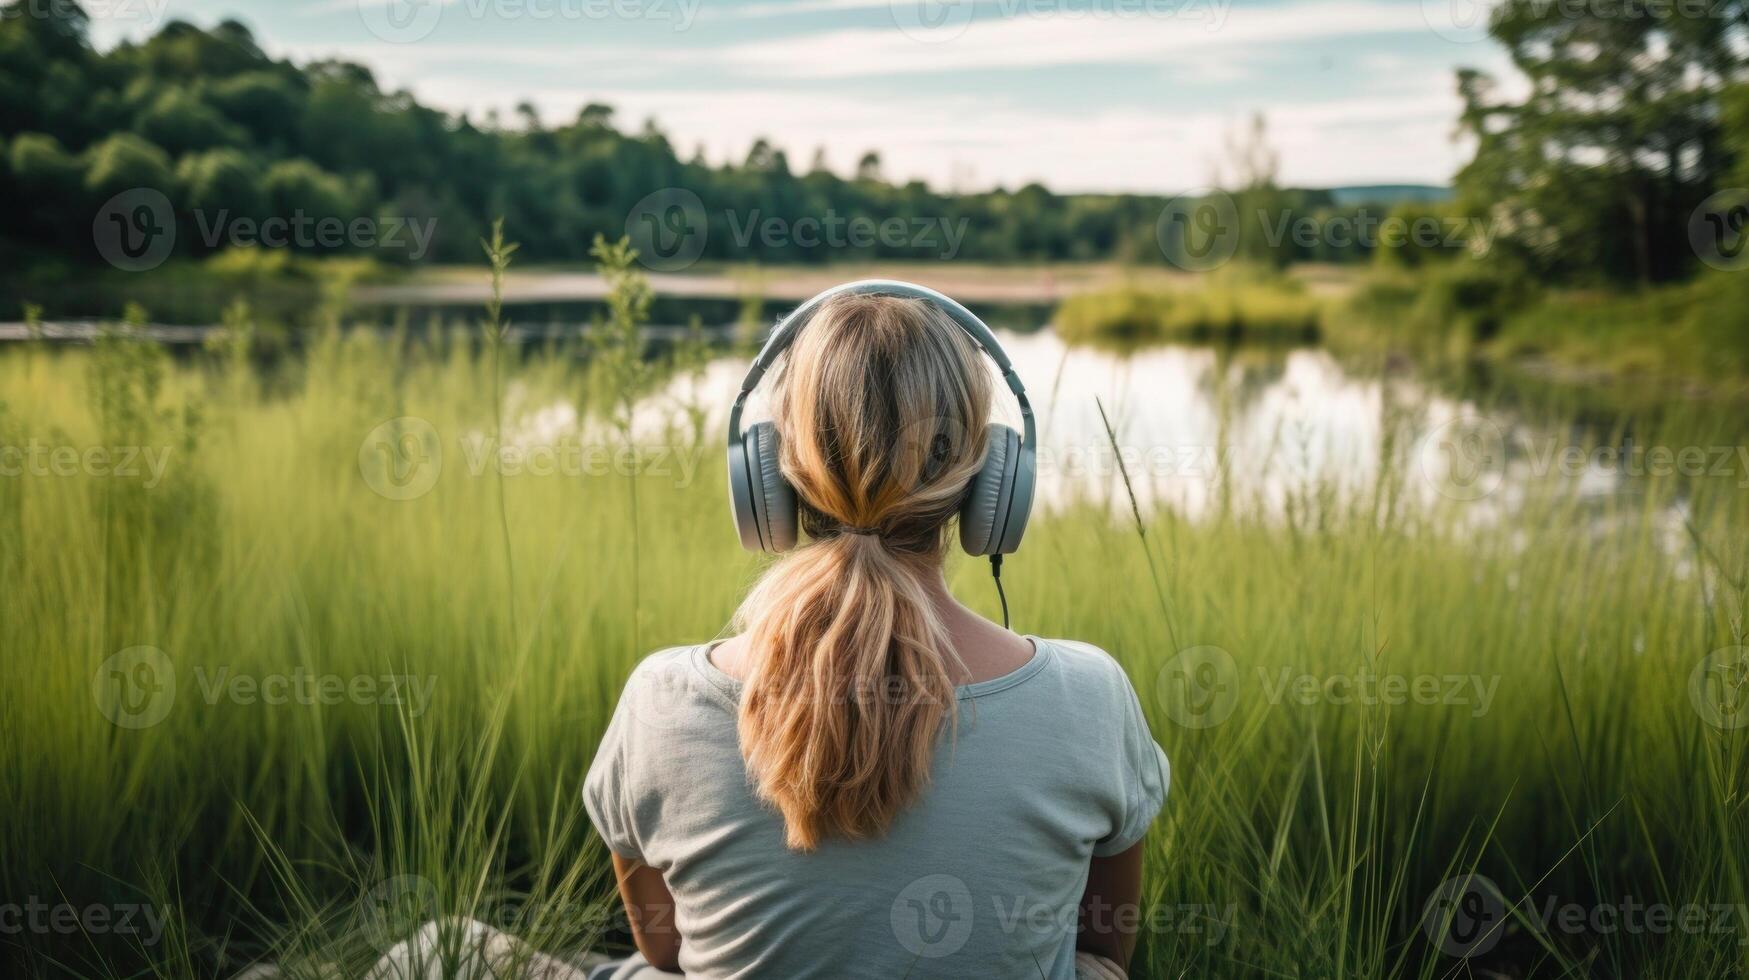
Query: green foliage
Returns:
{"type": "Point", "coordinates": [220, 181]}
{"type": "Point", "coordinates": [300, 187]}
{"type": "Point", "coordinates": [41, 167]}
{"type": "Point", "coordinates": [1445, 310]}
{"type": "Point", "coordinates": [181, 123]}
{"type": "Point", "coordinates": [616, 345]}
{"type": "Point", "coordinates": [1426, 234]}
{"type": "Point", "coordinates": [33, 320]}
{"type": "Point", "coordinates": [1688, 334]}
{"type": "Point", "coordinates": [262, 101]}
{"type": "Point", "coordinates": [124, 162]}
{"type": "Point", "coordinates": [1734, 121]}
{"type": "Point", "coordinates": [1231, 305]}
{"type": "Point", "coordinates": [231, 342]}
{"type": "Point", "coordinates": [1594, 175]}
{"type": "Point", "coordinates": [1692, 333]}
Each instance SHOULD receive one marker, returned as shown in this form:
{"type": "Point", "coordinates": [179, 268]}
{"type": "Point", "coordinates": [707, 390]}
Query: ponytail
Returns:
{"type": "Point", "coordinates": [851, 670]}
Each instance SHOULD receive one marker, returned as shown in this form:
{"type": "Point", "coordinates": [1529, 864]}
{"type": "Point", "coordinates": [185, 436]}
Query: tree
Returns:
{"type": "Point", "coordinates": [595, 116]}
{"type": "Point", "coordinates": [1595, 171]}
{"type": "Point", "coordinates": [42, 168]}
{"type": "Point", "coordinates": [299, 187]}
{"type": "Point", "coordinates": [221, 180]}
{"type": "Point", "coordinates": [125, 162]}
{"type": "Point", "coordinates": [46, 184]}
{"type": "Point", "coordinates": [869, 167]}
{"type": "Point", "coordinates": [1249, 172]}
{"type": "Point", "coordinates": [266, 104]}
{"type": "Point", "coordinates": [181, 123]}
{"type": "Point", "coordinates": [762, 157]}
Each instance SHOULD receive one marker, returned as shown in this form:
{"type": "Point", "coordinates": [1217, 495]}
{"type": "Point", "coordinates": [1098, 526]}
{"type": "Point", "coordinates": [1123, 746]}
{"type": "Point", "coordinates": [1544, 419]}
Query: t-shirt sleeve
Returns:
{"type": "Point", "coordinates": [1145, 775]}
{"type": "Point", "coordinates": [606, 789]}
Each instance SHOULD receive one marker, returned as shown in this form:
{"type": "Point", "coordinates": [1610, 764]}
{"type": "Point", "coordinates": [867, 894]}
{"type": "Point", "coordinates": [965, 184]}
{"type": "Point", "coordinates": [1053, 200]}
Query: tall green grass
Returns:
{"type": "Point", "coordinates": [318, 833]}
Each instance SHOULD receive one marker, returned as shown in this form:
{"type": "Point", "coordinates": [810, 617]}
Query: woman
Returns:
{"type": "Point", "coordinates": [871, 780]}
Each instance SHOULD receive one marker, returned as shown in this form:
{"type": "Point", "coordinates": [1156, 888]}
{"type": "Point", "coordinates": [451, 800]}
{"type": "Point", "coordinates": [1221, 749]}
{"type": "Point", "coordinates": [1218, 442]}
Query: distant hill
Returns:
{"type": "Point", "coordinates": [1390, 194]}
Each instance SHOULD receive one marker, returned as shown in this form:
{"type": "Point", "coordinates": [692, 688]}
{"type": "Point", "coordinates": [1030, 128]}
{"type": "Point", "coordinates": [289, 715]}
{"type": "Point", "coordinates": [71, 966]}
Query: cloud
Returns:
{"type": "Point", "coordinates": [1350, 89]}
{"type": "Point", "coordinates": [1037, 41]}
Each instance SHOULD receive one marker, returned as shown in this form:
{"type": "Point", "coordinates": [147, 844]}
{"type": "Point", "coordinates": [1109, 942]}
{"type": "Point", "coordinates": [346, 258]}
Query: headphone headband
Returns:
{"type": "Point", "coordinates": [785, 332]}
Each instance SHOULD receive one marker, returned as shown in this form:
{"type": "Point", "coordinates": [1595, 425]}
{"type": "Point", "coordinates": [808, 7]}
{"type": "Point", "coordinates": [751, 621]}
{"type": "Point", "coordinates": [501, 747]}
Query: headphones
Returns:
{"type": "Point", "coordinates": [997, 501]}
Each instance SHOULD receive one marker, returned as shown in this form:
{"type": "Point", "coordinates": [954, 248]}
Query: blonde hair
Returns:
{"type": "Point", "coordinates": [880, 412]}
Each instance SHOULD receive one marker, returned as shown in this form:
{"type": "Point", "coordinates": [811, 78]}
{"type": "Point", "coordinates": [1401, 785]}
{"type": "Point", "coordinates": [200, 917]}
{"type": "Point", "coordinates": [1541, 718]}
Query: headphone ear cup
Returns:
{"type": "Point", "coordinates": [987, 510]}
{"type": "Point", "coordinates": [1019, 498]}
{"type": "Point", "coordinates": [764, 502]}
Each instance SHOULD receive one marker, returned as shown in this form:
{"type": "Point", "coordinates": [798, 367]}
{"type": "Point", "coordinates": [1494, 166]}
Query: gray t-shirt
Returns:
{"type": "Point", "coordinates": [982, 877]}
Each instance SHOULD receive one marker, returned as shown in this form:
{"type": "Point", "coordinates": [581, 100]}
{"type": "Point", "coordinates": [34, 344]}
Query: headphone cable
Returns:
{"type": "Point", "coordinates": [996, 574]}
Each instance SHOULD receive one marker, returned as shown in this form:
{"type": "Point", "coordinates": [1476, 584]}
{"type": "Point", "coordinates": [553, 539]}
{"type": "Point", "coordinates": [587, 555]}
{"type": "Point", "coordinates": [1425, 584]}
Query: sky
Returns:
{"type": "Point", "coordinates": [1079, 95]}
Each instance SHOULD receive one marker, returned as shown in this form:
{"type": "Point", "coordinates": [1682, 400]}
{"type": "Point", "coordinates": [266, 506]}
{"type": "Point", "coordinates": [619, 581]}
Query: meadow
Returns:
{"type": "Point", "coordinates": [321, 665]}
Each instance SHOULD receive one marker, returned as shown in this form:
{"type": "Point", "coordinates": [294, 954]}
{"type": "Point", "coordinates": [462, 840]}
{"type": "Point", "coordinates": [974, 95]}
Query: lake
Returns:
{"type": "Point", "coordinates": [1268, 429]}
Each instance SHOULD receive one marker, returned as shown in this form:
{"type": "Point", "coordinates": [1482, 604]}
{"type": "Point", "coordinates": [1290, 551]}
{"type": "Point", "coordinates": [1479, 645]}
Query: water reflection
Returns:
{"type": "Point", "coordinates": [1275, 433]}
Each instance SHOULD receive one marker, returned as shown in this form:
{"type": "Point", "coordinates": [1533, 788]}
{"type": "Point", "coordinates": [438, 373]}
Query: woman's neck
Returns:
{"type": "Point", "coordinates": [985, 650]}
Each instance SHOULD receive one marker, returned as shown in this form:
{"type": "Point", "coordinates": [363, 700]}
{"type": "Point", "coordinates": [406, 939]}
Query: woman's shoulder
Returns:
{"type": "Point", "coordinates": [664, 660]}
{"type": "Point", "coordinates": [1088, 669]}
{"type": "Point", "coordinates": [1081, 657]}
{"type": "Point", "coordinates": [674, 689]}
